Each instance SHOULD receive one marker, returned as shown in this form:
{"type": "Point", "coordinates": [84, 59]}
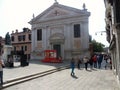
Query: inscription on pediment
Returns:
{"type": "Point", "coordinates": [57, 12]}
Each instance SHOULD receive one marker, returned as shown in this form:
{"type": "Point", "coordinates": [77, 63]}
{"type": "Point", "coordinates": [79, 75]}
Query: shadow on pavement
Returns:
{"type": "Point", "coordinates": [74, 76]}
{"type": "Point", "coordinates": [89, 70]}
{"type": "Point", "coordinates": [12, 67]}
{"type": "Point", "coordinates": [94, 69]}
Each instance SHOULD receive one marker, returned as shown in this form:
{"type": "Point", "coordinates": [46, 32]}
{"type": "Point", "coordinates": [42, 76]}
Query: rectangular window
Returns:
{"type": "Point", "coordinates": [19, 38]}
{"type": "Point", "coordinates": [22, 48]}
{"type": "Point", "coordinates": [77, 30]}
{"type": "Point", "coordinates": [14, 48]}
{"type": "Point", "coordinates": [29, 36]}
{"type": "Point", "coordinates": [23, 37]}
{"type": "Point", "coordinates": [25, 48]}
{"type": "Point", "coordinates": [39, 34]}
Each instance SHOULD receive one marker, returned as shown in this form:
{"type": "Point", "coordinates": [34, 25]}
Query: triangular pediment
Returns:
{"type": "Point", "coordinates": [58, 11]}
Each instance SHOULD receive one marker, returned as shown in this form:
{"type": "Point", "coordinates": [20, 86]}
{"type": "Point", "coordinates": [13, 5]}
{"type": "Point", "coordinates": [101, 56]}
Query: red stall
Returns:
{"type": "Point", "coordinates": [51, 56]}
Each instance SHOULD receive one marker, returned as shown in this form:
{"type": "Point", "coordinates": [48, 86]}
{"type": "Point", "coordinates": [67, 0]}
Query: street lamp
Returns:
{"type": "Point", "coordinates": [100, 32]}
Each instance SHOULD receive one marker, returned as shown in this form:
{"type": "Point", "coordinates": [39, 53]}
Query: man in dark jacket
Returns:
{"type": "Point", "coordinates": [100, 58]}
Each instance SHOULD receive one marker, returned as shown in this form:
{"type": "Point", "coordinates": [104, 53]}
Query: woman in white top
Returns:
{"type": "Point", "coordinates": [86, 59]}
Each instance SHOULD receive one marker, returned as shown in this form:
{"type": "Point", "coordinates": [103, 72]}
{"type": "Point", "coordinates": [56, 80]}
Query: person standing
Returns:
{"type": "Point", "coordinates": [95, 61]}
{"type": "Point", "coordinates": [106, 61]}
{"type": "Point", "coordinates": [100, 60]}
{"type": "Point", "coordinates": [91, 62]}
{"type": "Point", "coordinates": [85, 60]}
{"type": "Point", "coordinates": [10, 61]}
{"type": "Point", "coordinates": [78, 63]}
{"type": "Point", "coordinates": [72, 64]}
{"type": "Point", "coordinates": [1, 71]}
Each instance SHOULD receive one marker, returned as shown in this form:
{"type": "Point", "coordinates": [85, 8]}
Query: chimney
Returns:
{"type": "Point", "coordinates": [16, 30]}
{"type": "Point", "coordinates": [12, 32]}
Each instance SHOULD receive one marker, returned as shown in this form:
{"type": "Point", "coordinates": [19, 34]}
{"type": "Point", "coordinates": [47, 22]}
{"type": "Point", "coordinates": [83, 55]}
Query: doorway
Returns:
{"type": "Point", "coordinates": [57, 47]}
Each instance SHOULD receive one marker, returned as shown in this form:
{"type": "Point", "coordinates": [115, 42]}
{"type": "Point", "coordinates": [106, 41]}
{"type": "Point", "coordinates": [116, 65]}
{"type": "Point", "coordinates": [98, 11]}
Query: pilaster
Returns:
{"type": "Point", "coordinates": [118, 48]}
{"type": "Point", "coordinates": [44, 40]}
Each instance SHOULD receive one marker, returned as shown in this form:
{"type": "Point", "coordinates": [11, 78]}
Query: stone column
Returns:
{"type": "Point", "coordinates": [33, 39]}
{"type": "Point", "coordinates": [118, 48]}
{"type": "Point", "coordinates": [44, 35]}
{"type": "Point", "coordinates": [68, 46]}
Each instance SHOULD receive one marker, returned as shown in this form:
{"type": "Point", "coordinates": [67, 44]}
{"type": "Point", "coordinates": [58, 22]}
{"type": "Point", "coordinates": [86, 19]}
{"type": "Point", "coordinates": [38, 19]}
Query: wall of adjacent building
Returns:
{"type": "Point", "coordinates": [113, 33]}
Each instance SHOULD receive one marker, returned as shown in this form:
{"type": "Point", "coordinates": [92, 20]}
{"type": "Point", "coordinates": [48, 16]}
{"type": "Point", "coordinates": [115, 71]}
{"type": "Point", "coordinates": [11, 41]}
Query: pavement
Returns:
{"type": "Point", "coordinates": [96, 79]}
{"type": "Point", "coordinates": [34, 67]}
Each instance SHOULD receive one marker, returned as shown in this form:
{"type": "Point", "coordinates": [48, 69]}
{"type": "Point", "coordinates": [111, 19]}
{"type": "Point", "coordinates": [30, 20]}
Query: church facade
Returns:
{"type": "Point", "coordinates": [61, 28]}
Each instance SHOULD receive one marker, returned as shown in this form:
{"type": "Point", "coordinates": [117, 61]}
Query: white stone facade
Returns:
{"type": "Point", "coordinates": [57, 25]}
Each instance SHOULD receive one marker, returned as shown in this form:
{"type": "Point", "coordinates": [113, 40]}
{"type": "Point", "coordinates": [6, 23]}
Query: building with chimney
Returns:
{"type": "Point", "coordinates": [21, 41]}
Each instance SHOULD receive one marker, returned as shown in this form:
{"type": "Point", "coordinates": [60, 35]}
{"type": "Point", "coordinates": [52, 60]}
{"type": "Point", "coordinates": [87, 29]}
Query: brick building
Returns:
{"type": "Point", "coordinates": [21, 41]}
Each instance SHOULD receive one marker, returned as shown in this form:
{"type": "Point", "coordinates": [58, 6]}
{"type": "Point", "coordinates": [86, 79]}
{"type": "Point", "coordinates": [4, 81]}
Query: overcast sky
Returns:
{"type": "Point", "coordinates": [15, 14]}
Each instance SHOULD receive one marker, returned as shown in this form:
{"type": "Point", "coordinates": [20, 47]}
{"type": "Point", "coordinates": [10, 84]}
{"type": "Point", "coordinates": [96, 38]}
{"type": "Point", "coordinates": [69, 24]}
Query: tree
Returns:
{"type": "Point", "coordinates": [97, 47]}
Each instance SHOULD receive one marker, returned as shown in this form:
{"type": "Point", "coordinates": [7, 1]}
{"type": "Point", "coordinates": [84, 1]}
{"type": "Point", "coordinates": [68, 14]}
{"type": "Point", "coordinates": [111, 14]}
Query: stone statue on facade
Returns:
{"type": "Point", "coordinates": [56, 2]}
{"type": "Point", "coordinates": [84, 7]}
{"type": "Point", "coordinates": [7, 39]}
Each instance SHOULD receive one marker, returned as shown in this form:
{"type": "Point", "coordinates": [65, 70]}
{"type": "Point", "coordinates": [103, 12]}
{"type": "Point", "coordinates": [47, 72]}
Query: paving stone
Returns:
{"type": "Point", "coordinates": [97, 79]}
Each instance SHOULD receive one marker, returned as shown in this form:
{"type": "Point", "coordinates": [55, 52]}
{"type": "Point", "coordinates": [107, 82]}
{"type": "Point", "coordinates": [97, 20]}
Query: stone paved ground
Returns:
{"type": "Point", "coordinates": [84, 80]}
{"type": "Point", "coordinates": [34, 67]}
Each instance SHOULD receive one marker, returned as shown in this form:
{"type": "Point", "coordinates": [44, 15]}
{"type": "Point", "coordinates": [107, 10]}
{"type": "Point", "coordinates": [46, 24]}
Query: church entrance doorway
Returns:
{"type": "Point", "coordinates": [57, 47]}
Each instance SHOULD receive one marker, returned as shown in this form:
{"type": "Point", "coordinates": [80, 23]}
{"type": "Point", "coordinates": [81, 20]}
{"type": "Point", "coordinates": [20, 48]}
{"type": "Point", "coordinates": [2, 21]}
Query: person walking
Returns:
{"type": "Point", "coordinates": [106, 61]}
{"type": "Point", "coordinates": [72, 64]}
{"type": "Point", "coordinates": [1, 71]}
{"type": "Point", "coordinates": [85, 60]}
